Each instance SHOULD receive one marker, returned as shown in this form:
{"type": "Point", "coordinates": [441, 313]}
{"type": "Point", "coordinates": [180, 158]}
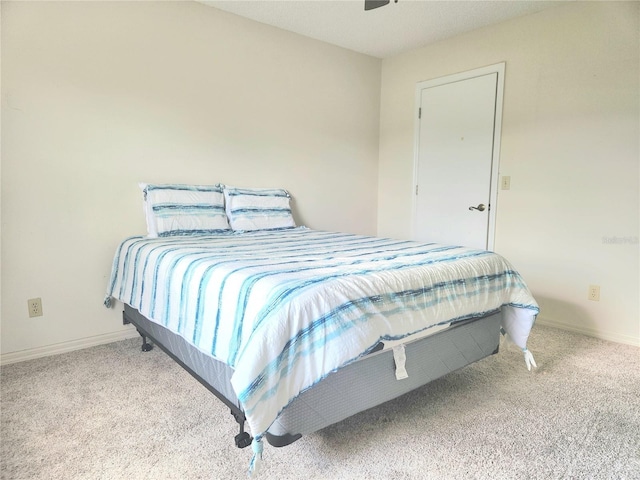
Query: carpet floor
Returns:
{"type": "Point", "coordinates": [113, 412]}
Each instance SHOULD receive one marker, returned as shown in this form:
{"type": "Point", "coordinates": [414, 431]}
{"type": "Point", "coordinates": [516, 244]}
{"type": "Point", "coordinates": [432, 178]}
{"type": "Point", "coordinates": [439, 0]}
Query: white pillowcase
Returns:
{"type": "Point", "coordinates": [184, 209]}
{"type": "Point", "coordinates": [251, 209]}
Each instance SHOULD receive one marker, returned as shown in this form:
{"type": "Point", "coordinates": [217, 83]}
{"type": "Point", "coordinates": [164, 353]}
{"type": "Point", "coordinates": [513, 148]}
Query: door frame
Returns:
{"type": "Point", "coordinates": [498, 68]}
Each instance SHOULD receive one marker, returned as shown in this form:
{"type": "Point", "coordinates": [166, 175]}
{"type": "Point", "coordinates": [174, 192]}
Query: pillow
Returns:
{"type": "Point", "coordinates": [184, 209]}
{"type": "Point", "coordinates": [251, 209]}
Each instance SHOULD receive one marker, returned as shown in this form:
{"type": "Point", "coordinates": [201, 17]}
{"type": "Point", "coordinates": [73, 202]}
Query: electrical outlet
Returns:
{"type": "Point", "coordinates": [594, 293]}
{"type": "Point", "coordinates": [35, 307]}
{"type": "Point", "coordinates": [506, 182]}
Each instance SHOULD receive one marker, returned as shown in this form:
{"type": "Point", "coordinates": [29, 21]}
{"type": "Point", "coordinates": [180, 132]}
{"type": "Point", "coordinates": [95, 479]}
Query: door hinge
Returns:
{"type": "Point", "coordinates": [416, 189]}
{"type": "Point", "coordinates": [420, 112]}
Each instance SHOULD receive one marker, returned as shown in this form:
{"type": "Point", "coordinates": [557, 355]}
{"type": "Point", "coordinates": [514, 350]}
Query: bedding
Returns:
{"type": "Point", "coordinates": [177, 209]}
{"type": "Point", "coordinates": [250, 209]}
{"type": "Point", "coordinates": [285, 308]}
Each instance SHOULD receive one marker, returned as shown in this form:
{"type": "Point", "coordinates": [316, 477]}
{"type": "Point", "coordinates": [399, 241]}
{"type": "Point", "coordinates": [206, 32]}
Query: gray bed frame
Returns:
{"type": "Point", "coordinates": [363, 384]}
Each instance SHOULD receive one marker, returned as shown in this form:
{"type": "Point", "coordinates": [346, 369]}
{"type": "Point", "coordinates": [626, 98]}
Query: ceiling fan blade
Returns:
{"type": "Point", "coordinates": [371, 4]}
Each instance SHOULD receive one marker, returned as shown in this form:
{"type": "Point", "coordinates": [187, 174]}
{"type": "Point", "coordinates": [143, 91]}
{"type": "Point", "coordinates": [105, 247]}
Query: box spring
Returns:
{"type": "Point", "coordinates": [356, 387]}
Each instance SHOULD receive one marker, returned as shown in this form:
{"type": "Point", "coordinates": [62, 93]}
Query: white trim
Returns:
{"type": "Point", "coordinates": [498, 68]}
{"type": "Point", "coordinates": [64, 347]}
{"type": "Point", "coordinates": [590, 332]}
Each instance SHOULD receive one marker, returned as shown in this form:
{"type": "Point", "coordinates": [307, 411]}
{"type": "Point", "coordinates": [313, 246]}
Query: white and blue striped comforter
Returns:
{"type": "Point", "coordinates": [285, 308]}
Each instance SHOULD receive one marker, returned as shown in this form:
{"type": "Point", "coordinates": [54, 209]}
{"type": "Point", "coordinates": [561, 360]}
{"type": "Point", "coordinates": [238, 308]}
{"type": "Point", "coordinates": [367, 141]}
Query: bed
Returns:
{"type": "Point", "coordinates": [296, 329]}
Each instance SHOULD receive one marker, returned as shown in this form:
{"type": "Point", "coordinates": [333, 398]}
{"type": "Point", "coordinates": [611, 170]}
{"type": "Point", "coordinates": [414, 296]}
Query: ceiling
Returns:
{"type": "Point", "coordinates": [385, 31]}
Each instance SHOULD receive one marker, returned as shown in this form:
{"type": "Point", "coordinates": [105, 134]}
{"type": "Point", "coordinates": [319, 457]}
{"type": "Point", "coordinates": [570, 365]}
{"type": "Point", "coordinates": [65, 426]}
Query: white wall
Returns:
{"type": "Point", "coordinates": [97, 96]}
{"type": "Point", "coordinates": [570, 142]}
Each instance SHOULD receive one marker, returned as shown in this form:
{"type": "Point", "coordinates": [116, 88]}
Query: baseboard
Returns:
{"type": "Point", "coordinates": [32, 353]}
{"type": "Point", "coordinates": [590, 332]}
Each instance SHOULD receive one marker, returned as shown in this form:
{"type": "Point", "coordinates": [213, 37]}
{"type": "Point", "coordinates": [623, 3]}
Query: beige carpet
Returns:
{"type": "Point", "coordinates": [113, 412]}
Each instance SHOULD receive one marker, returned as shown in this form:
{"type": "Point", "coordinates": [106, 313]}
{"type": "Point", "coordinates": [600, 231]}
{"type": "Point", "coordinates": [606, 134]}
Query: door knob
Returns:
{"type": "Point", "coordinates": [480, 207]}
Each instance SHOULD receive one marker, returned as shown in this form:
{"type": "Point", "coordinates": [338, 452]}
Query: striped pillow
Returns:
{"type": "Point", "coordinates": [258, 208]}
{"type": "Point", "coordinates": [184, 209]}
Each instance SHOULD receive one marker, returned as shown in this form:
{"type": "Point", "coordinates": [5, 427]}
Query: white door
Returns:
{"type": "Point", "coordinates": [456, 152]}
